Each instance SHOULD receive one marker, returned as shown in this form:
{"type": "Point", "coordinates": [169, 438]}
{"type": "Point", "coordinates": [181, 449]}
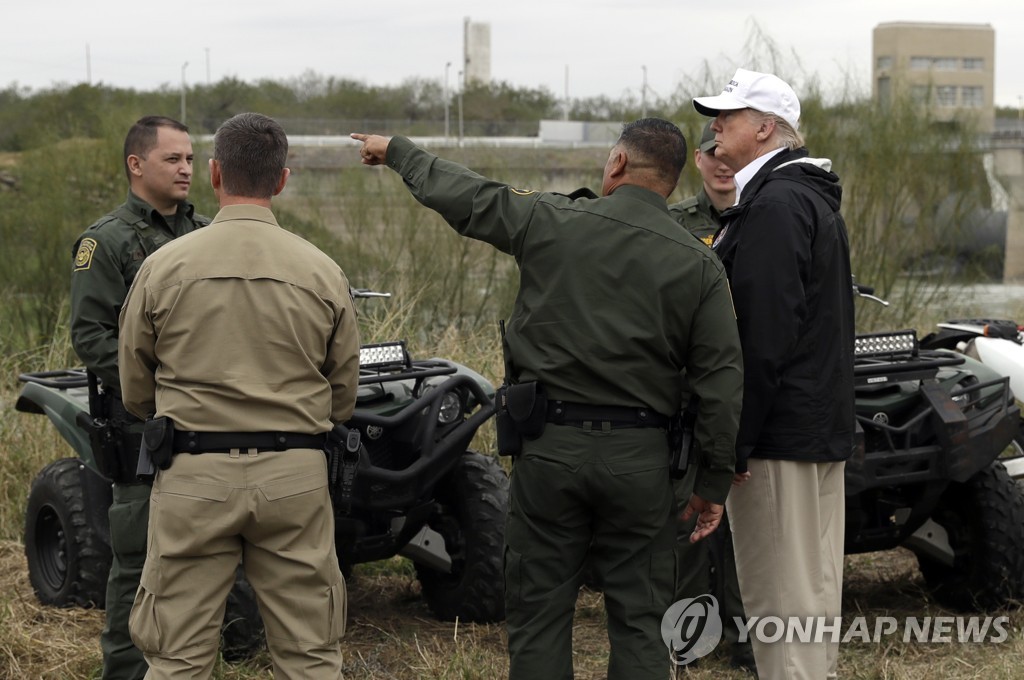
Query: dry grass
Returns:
{"type": "Point", "coordinates": [391, 635]}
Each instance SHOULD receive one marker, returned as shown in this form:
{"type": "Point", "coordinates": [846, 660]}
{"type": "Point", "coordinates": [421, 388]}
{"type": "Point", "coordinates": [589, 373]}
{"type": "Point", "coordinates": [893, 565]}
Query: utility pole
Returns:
{"type": "Point", "coordinates": [462, 86]}
{"type": "Point", "coordinates": [183, 67]}
{"type": "Point", "coordinates": [565, 110]}
{"type": "Point", "coordinates": [643, 95]}
{"type": "Point", "coordinates": [447, 102]}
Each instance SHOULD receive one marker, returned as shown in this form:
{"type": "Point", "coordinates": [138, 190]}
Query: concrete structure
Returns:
{"type": "Point", "coordinates": [948, 67]}
{"type": "Point", "coordinates": [1008, 157]}
{"type": "Point", "coordinates": [476, 53]}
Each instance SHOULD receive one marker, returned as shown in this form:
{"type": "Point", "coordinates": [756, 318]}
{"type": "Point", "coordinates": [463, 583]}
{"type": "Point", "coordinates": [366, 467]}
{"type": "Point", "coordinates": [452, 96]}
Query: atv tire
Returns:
{"type": "Point", "coordinates": [242, 634]}
{"type": "Point", "coordinates": [474, 502]}
{"type": "Point", "coordinates": [67, 562]}
{"type": "Point", "coordinates": [984, 520]}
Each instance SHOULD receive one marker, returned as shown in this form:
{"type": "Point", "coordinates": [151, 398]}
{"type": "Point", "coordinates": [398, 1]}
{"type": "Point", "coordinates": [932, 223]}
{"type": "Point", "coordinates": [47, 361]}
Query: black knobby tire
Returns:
{"type": "Point", "coordinates": [242, 634]}
{"type": "Point", "coordinates": [68, 563]}
{"type": "Point", "coordinates": [1014, 451]}
{"type": "Point", "coordinates": [474, 499]}
{"type": "Point", "coordinates": [984, 518]}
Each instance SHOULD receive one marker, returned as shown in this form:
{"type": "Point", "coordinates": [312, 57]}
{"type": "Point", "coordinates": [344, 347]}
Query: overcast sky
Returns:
{"type": "Point", "coordinates": [598, 47]}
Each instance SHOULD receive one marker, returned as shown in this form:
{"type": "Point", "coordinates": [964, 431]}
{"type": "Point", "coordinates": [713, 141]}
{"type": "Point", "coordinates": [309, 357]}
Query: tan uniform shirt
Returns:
{"type": "Point", "coordinates": [240, 327]}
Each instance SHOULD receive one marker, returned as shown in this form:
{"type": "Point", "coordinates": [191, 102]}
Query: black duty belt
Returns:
{"type": "Point", "coordinates": [617, 417]}
{"type": "Point", "coordinates": [223, 442]}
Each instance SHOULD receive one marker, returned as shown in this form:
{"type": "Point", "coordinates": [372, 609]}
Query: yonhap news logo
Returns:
{"type": "Point", "coordinates": [692, 628]}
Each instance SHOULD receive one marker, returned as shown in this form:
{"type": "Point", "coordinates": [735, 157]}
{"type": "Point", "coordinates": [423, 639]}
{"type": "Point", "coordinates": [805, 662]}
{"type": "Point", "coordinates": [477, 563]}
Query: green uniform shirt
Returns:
{"type": "Point", "coordinates": [698, 216]}
{"type": "Point", "coordinates": [615, 300]}
{"type": "Point", "coordinates": [106, 258]}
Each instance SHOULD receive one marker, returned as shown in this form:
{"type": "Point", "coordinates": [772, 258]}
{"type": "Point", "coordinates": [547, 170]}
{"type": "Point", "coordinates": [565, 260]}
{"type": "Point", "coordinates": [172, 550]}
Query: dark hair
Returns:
{"type": "Point", "coordinates": [659, 145]}
{"type": "Point", "coordinates": [252, 150]}
{"type": "Point", "coordinates": [141, 137]}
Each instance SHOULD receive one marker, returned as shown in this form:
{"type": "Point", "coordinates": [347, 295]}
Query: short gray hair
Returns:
{"type": "Point", "coordinates": [784, 133]}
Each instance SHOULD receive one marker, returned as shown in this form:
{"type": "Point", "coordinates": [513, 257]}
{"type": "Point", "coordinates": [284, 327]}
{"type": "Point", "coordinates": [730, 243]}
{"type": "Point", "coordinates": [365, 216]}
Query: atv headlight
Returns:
{"type": "Point", "coordinates": [882, 344]}
{"type": "Point", "coordinates": [383, 355]}
{"type": "Point", "coordinates": [451, 408]}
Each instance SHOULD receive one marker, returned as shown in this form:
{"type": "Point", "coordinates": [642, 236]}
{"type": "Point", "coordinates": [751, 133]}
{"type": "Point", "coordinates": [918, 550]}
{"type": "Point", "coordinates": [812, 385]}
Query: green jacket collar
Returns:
{"type": "Point", "coordinates": [150, 215]}
{"type": "Point", "coordinates": [639, 193]}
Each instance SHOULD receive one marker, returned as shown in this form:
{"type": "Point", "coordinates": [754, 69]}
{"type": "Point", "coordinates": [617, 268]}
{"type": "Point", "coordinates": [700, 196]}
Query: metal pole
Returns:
{"type": "Point", "coordinates": [565, 111]}
{"type": "Point", "coordinates": [183, 67]}
{"type": "Point", "coordinates": [462, 86]}
{"type": "Point", "coordinates": [447, 102]}
{"type": "Point", "coordinates": [643, 95]}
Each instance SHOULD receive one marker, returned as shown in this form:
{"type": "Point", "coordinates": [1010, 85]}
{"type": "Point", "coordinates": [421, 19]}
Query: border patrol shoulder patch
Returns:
{"type": "Point", "coordinates": [83, 258]}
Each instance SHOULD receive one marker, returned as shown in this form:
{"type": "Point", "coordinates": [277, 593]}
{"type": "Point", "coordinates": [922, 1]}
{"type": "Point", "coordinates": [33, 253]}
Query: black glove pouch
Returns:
{"type": "Point", "coordinates": [158, 442]}
{"type": "Point", "coordinates": [522, 413]}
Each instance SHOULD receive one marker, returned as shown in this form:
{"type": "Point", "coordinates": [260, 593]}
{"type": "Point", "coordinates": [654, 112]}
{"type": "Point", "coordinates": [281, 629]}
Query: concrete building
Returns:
{"type": "Point", "coordinates": [476, 53]}
{"type": "Point", "coordinates": [948, 67]}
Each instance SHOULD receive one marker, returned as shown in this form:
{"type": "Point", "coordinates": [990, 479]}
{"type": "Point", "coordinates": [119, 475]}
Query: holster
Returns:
{"type": "Point", "coordinates": [522, 413]}
{"type": "Point", "coordinates": [103, 440]}
{"type": "Point", "coordinates": [681, 441]}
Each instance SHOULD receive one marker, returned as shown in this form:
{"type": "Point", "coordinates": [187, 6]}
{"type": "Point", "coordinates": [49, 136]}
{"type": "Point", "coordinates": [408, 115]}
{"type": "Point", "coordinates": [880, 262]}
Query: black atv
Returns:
{"type": "Point", "coordinates": [403, 482]}
{"type": "Point", "coordinates": [931, 425]}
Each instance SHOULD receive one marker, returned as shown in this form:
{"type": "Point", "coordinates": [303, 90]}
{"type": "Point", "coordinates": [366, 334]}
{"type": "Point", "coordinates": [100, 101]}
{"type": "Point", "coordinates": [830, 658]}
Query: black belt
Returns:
{"type": "Point", "coordinates": [617, 417]}
{"type": "Point", "coordinates": [223, 442]}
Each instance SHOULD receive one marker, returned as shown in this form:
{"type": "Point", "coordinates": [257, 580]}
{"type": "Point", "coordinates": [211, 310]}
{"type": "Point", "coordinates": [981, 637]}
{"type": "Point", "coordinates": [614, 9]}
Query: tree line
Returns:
{"type": "Point", "coordinates": [312, 103]}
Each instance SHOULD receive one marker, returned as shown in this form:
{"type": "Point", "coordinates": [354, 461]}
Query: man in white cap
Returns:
{"type": "Point", "coordinates": [785, 249]}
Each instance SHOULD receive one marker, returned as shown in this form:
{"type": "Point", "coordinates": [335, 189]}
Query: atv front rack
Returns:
{"type": "Point", "coordinates": [950, 433]}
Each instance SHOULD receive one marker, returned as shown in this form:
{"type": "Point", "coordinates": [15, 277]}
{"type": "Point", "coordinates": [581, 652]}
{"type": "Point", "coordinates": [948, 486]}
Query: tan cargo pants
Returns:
{"type": "Point", "coordinates": [272, 510]}
{"type": "Point", "coordinates": [788, 523]}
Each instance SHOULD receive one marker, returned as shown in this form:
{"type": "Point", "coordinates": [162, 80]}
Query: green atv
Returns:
{"type": "Point", "coordinates": [403, 482]}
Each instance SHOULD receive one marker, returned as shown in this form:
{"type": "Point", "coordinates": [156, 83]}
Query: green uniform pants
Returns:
{"type": "Point", "coordinates": [609, 493]}
{"type": "Point", "coordinates": [709, 565]}
{"type": "Point", "coordinates": [129, 518]}
{"type": "Point", "coordinates": [273, 511]}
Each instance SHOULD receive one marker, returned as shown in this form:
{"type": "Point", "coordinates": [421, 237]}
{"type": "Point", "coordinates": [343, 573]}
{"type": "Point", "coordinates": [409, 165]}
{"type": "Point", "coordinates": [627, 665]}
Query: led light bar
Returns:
{"type": "Point", "coordinates": [885, 344]}
{"type": "Point", "coordinates": [383, 355]}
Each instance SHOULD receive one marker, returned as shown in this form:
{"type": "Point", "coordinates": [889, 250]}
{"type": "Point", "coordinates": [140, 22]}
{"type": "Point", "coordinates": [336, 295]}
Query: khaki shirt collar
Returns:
{"type": "Point", "coordinates": [249, 212]}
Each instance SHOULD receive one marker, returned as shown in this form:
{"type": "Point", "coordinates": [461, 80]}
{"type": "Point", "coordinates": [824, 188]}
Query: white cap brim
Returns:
{"type": "Point", "coordinates": [710, 106]}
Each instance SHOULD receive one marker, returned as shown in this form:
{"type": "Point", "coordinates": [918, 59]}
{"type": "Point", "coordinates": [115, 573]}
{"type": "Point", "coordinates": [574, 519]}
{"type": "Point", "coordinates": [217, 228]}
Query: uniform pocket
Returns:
{"type": "Point", "coordinates": [663, 577]}
{"type": "Point", "coordinates": [275, 491]}
{"type": "Point", "coordinates": [513, 568]}
{"type": "Point", "coordinates": [129, 523]}
{"type": "Point", "coordinates": [144, 619]}
{"type": "Point", "coordinates": [198, 490]}
{"type": "Point", "coordinates": [339, 612]}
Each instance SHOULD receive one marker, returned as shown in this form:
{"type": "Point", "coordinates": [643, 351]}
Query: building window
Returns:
{"type": "Point", "coordinates": [884, 63]}
{"type": "Point", "coordinates": [884, 91]}
{"type": "Point", "coordinates": [972, 97]}
{"type": "Point", "coordinates": [974, 64]}
{"type": "Point", "coordinates": [920, 63]}
{"type": "Point", "coordinates": [945, 95]}
{"type": "Point", "coordinates": [946, 63]}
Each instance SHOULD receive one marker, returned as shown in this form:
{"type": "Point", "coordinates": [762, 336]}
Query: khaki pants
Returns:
{"type": "Point", "coordinates": [788, 523]}
{"type": "Point", "coordinates": [271, 510]}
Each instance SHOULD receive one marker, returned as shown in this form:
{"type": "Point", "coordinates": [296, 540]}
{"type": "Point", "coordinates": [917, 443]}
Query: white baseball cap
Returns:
{"type": "Point", "coordinates": [752, 90]}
